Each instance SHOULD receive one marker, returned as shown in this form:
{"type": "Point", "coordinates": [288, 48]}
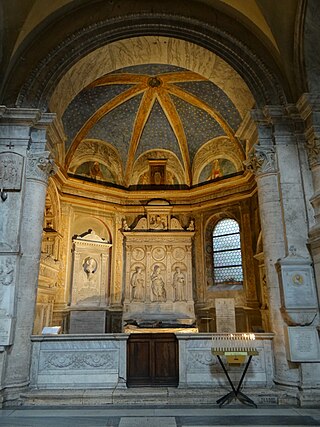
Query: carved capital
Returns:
{"type": "Point", "coordinates": [40, 166]}
{"type": "Point", "coordinates": [261, 160]}
{"type": "Point", "coordinates": [313, 150]}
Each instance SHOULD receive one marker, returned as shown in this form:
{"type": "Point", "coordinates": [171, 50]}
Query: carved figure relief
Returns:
{"type": "Point", "coordinates": [137, 283]}
{"type": "Point", "coordinates": [158, 267]}
{"type": "Point", "coordinates": [158, 285]}
{"type": "Point", "coordinates": [191, 225]}
{"type": "Point", "coordinates": [158, 222]}
{"type": "Point", "coordinates": [179, 285]}
{"type": "Point", "coordinates": [125, 225]}
{"type": "Point", "coordinates": [90, 266]}
{"type": "Point", "coordinates": [6, 272]}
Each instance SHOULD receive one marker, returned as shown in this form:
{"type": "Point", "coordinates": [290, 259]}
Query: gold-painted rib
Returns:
{"type": "Point", "coordinates": [121, 78]}
{"type": "Point", "coordinates": [102, 111]}
{"type": "Point", "coordinates": [191, 99]}
{"type": "Point", "coordinates": [139, 124]}
{"type": "Point", "coordinates": [177, 127]}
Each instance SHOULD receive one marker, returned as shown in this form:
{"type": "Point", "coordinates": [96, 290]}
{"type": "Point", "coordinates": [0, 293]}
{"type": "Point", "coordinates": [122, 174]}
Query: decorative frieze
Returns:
{"type": "Point", "coordinates": [78, 360]}
{"type": "Point", "coordinates": [64, 361]}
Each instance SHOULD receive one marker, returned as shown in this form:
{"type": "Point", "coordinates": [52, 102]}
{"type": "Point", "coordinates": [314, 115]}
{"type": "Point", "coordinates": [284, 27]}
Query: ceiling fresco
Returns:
{"type": "Point", "coordinates": [155, 108]}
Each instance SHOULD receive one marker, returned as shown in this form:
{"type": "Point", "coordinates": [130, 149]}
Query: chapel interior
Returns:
{"type": "Point", "coordinates": [180, 143]}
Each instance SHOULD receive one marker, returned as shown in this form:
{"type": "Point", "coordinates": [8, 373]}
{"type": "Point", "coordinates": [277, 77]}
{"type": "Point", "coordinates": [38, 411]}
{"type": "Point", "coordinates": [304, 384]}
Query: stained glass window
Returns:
{"type": "Point", "coordinates": [226, 249]}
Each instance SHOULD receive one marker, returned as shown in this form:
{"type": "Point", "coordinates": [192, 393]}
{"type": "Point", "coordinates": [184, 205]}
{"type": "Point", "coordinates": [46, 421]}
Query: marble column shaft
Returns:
{"type": "Point", "coordinates": [262, 161]}
{"type": "Point", "coordinates": [26, 131]}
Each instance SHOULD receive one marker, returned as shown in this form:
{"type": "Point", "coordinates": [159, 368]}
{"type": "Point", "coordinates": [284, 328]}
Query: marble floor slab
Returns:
{"type": "Point", "coordinates": [155, 416]}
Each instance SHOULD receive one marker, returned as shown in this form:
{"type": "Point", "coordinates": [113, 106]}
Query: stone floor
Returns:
{"type": "Point", "coordinates": [158, 416]}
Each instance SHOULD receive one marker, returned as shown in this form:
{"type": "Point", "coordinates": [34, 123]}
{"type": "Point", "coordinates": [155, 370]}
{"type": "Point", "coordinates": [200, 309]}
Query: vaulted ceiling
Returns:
{"type": "Point", "coordinates": [151, 110]}
{"type": "Point", "coordinates": [153, 92]}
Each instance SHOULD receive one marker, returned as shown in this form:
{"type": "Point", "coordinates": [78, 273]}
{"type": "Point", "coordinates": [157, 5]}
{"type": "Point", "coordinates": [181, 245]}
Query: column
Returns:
{"type": "Point", "coordinates": [22, 137]}
{"type": "Point", "coordinates": [262, 161]}
{"type": "Point", "coordinates": [290, 180]}
{"type": "Point", "coordinates": [309, 107]}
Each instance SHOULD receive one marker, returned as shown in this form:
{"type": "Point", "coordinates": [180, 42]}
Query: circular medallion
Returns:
{"type": "Point", "coordinates": [297, 279]}
{"type": "Point", "coordinates": [178, 254]}
{"type": "Point", "coordinates": [158, 253]}
{"type": "Point", "coordinates": [138, 254]}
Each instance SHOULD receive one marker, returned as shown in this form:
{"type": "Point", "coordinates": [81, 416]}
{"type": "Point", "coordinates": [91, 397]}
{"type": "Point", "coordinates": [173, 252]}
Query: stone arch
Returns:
{"type": "Point", "coordinates": [220, 147]}
{"type": "Point", "coordinates": [100, 151]}
{"type": "Point", "coordinates": [141, 165]}
{"type": "Point", "coordinates": [265, 82]}
{"type": "Point", "coordinates": [83, 223]}
{"type": "Point", "coordinates": [53, 201]}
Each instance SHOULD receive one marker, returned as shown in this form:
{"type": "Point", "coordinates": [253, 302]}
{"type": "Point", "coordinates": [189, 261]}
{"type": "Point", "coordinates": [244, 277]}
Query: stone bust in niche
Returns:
{"type": "Point", "coordinates": [90, 267]}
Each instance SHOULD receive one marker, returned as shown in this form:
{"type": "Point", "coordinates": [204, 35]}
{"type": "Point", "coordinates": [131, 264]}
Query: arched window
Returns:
{"type": "Point", "coordinates": [226, 251]}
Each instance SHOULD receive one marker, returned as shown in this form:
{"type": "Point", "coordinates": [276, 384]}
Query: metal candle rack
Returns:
{"type": "Point", "coordinates": [238, 348]}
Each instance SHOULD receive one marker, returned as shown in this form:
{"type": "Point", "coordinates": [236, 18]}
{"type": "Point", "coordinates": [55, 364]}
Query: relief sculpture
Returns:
{"type": "Point", "coordinates": [179, 285]}
{"type": "Point", "coordinates": [90, 267]}
{"type": "Point", "coordinates": [158, 285]}
{"type": "Point", "coordinates": [137, 285]}
{"type": "Point", "coordinates": [6, 272]}
{"type": "Point", "coordinates": [10, 171]}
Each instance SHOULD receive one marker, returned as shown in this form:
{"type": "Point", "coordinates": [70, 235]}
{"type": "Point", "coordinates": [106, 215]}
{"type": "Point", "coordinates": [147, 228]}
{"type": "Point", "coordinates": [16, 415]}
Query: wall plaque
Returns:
{"type": "Point", "coordinates": [303, 344]}
{"type": "Point", "coordinates": [5, 331]}
{"type": "Point", "coordinates": [11, 166]}
{"type": "Point", "coordinates": [298, 287]}
{"type": "Point", "coordinates": [225, 315]}
{"type": "Point", "coordinates": [88, 322]}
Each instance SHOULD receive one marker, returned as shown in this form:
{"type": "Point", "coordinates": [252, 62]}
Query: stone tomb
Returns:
{"type": "Point", "coordinates": [158, 283]}
{"type": "Point", "coordinates": [90, 283]}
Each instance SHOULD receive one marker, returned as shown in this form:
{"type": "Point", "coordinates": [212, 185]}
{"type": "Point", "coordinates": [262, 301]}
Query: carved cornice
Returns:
{"type": "Point", "coordinates": [40, 166]}
{"type": "Point", "coordinates": [261, 160]}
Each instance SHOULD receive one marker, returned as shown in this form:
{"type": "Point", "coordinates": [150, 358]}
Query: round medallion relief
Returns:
{"type": "Point", "coordinates": [138, 254]}
{"type": "Point", "coordinates": [158, 253]}
{"type": "Point", "coordinates": [178, 254]}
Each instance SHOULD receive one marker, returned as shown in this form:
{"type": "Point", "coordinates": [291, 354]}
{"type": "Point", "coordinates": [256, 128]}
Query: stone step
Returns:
{"type": "Point", "coordinates": [144, 396]}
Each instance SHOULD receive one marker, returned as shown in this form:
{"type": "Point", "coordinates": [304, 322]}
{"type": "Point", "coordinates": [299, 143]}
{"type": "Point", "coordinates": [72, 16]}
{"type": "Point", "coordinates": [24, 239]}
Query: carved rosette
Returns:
{"type": "Point", "coordinates": [313, 150]}
{"type": "Point", "coordinates": [40, 166]}
{"type": "Point", "coordinates": [261, 160]}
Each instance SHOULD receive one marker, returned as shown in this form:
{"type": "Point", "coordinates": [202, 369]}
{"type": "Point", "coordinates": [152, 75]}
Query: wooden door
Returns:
{"type": "Point", "coordinates": [152, 360]}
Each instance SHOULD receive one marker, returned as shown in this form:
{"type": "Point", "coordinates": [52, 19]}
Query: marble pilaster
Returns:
{"type": "Point", "coordinates": [23, 133]}
{"type": "Point", "coordinates": [309, 107]}
{"type": "Point", "coordinates": [251, 292]}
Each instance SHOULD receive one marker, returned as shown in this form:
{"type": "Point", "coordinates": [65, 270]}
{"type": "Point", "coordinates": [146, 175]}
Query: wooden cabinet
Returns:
{"type": "Point", "coordinates": [152, 360]}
